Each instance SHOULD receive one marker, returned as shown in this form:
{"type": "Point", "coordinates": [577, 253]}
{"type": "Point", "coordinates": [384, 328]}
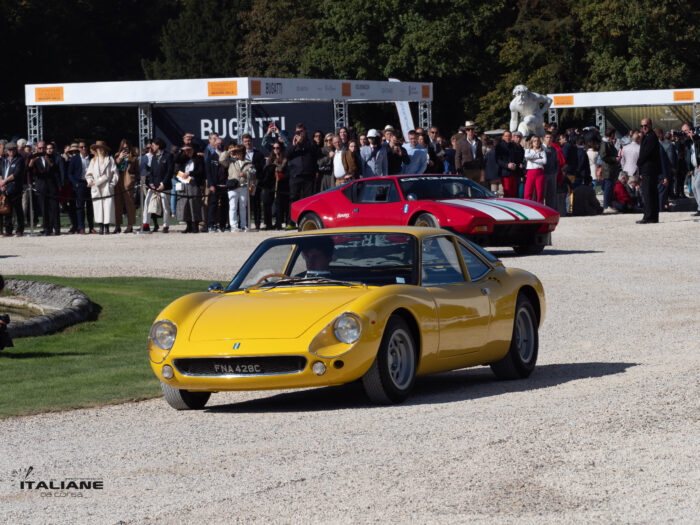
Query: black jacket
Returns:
{"type": "Point", "coordinates": [161, 171]}
{"type": "Point", "coordinates": [302, 159]}
{"type": "Point", "coordinates": [198, 173]}
{"type": "Point", "coordinates": [46, 173]}
{"type": "Point", "coordinates": [649, 162]}
{"type": "Point", "coordinates": [16, 169]}
{"type": "Point", "coordinates": [505, 154]}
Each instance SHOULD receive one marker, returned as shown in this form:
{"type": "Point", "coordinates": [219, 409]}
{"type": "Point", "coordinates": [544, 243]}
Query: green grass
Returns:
{"type": "Point", "coordinates": [93, 363]}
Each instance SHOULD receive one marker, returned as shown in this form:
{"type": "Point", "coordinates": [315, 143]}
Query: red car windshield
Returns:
{"type": "Point", "coordinates": [439, 188]}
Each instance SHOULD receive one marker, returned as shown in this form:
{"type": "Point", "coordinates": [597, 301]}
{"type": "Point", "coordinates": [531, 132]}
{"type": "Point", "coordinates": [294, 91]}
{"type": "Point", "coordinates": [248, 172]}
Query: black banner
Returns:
{"type": "Point", "coordinates": [171, 123]}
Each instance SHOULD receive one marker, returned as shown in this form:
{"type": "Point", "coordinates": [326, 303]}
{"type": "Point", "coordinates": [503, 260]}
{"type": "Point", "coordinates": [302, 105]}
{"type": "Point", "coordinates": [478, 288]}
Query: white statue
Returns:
{"type": "Point", "coordinates": [532, 107]}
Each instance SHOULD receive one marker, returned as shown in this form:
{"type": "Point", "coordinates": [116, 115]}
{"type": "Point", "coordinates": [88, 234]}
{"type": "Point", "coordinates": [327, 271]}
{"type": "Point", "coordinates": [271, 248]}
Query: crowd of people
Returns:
{"type": "Point", "coordinates": [227, 186]}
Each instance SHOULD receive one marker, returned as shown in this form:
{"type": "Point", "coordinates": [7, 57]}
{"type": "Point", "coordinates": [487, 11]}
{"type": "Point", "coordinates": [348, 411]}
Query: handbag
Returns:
{"type": "Point", "coordinates": [232, 184]}
{"type": "Point", "coordinates": [5, 208]}
{"type": "Point", "coordinates": [155, 206]}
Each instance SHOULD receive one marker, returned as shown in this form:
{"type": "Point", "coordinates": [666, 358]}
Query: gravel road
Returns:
{"type": "Point", "coordinates": [606, 430]}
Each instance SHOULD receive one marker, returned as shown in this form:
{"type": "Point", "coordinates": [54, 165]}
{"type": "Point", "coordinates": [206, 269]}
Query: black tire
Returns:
{"type": "Point", "coordinates": [183, 399]}
{"type": "Point", "coordinates": [528, 249]}
{"type": "Point", "coordinates": [427, 220]}
{"type": "Point", "coordinates": [520, 360]}
{"type": "Point", "coordinates": [310, 221]}
{"type": "Point", "coordinates": [391, 377]}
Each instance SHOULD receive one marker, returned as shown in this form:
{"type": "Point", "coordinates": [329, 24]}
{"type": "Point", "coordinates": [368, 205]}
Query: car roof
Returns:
{"type": "Point", "coordinates": [417, 231]}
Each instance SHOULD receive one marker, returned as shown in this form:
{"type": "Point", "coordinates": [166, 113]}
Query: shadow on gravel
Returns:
{"type": "Point", "coordinates": [7, 256]}
{"type": "Point", "coordinates": [448, 387]}
{"type": "Point", "coordinates": [507, 254]}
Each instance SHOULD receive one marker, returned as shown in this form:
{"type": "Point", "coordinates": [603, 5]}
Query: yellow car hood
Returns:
{"type": "Point", "coordinates": [279, 313]}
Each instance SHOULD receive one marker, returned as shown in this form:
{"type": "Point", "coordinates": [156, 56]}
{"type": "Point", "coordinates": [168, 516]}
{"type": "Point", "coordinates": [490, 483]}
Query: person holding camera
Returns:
{"type": "Point", "coordinates": [274, 136]}
{"type": "Point", "coordinates": [241, 179]}
{"type": "Point", "coordinates": [128, 167]}
{"type": "Point", "coordinates": [302, 159]}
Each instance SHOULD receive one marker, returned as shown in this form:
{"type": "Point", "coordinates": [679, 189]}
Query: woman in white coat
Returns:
{"type": "Point", "coordinates": [102, 176]}
{"type": "Point", "coordinates": [536, 159]}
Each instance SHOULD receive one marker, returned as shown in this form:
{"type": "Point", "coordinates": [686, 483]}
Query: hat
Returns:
{"type": "Point", "coordinates": [100, 144]}
{"type": "Point", "coordinates": [517, 134]}
{"type": "Point", "coordinates": [11, 145]}
{"type": "Point", "coordinates": [21, 143]}
{"type": "Point", "coordinates": [74, 147]}
{"type": "Point", "coordinates": [372, 133]}
{"type": "Point", "coordinates": [389, 127]}
{"type": "Point", "coordinates": [470, 124]}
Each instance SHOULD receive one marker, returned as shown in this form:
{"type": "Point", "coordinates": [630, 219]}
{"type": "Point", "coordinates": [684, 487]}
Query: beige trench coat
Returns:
{"type": "Point", "coordinates": [104, 174]}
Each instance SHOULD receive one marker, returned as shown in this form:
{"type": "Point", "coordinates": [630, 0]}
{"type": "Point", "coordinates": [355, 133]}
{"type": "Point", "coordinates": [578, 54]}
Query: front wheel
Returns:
{"type": "Point", "coordinates": [183, 399]}
{"type": "Point", "coordinates": [529, 249]}
{"type": "Point", "coordinates": [426, 220]}
{"type": "Point", "coordinates": [309, 222]}
{"type": "Point", "coordinates": [392, 375]}
{"type": "Point", "coordinates": [520, 360]}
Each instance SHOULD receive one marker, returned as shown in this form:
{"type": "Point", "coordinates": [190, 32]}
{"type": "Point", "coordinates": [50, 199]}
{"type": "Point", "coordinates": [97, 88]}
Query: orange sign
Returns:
{"type": "Point", "coordinates": [564, 100]}
{"type": "Point", "coordinates": [255, 87]}
{"type": "Point", "coordinates": [346, 90]}
{"type": "Point", "coordinates": [426, 91]}
{"type": "Point", "coordinates": [224, 88]}
{"type": "Point", "coordinates": [683, 96]}
{"type": "Point", "coordinates": [48, 94]}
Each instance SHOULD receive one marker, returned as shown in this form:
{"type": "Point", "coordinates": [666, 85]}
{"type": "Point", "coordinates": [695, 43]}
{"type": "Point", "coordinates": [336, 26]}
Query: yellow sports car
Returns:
{"type": "Point", "coordinates": [380, 304]}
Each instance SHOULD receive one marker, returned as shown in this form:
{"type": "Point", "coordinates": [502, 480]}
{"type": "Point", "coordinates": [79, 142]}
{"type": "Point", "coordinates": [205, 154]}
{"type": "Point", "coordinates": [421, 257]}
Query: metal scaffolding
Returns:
{"type": "Point", "coordinates": [425, 115]}
{"type": "Point", "coordinates": [553, 117]}
{"type": "Point", "coordinates": [340, 114]}
{"type": "Point", "coordinates": [696, 115]}
{"type": "Point", "coordinates": [600, 120]}
{"type": "Point", "coordinates": [35, 124]}
{"type": "Point", "coordinates": [244, 114]}
{"type": "Point", "coordinates": [145, 125]}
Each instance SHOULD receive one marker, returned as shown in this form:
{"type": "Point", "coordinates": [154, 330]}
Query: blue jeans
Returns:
{"type": "Point", "coordinates": [608, 188]}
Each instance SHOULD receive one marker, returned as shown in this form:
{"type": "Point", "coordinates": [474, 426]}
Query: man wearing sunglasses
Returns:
{"type": "Point", "coordinates": [694, 147]}
{"type": "Point", "coordinates": [649, 164]}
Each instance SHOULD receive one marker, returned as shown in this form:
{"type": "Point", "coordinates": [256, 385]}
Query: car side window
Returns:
{"type": "Point", "coordinates": [376, 191]}
{"type": "Point", "coordinates": [439, 262]}
{"type": "Point", "coordinates": [475, 266]}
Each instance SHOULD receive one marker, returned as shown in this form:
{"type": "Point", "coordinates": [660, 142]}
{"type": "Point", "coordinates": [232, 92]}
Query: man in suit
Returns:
{"type": "Point", "coordinates": [469, 154]}
{"type": "Point", "coordinates": [159, 181]}
{"type": "Point", "coordinates": [77, 167]}
{"type": "Point", "coordinates": [649, 165]}
{"type": "Point", "coordinates": [11, 184]}
{"type": "Point", "coordinates": [505, 158]}
{"type": "Point", "coordinates": [46, 174]}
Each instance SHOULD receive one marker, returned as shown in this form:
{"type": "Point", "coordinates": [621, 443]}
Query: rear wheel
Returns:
{"type": "Point", "coordinates": [528, 249]}
{"type": "Point", "coordinates": [309, 222]}
{"type": "Point", "coordinates": [392, 375]}
{"type": "Point", "coordinates": [184, 400]}
{"type": "Point", "coordinates": [520, 360]}
{"type": "Point", "coordinates": [426, 220]}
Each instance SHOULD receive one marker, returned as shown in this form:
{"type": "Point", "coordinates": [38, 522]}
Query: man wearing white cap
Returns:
{"type": "Point", "coordinates": [374, 157]}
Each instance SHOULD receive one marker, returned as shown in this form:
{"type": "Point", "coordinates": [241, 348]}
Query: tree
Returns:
{"type": "Point", "coordinates": [203, 41]}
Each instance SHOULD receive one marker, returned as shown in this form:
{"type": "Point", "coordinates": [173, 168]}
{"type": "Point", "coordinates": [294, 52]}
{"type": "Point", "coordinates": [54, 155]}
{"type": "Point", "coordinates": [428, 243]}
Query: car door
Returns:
{"type": "Point", "coordinates": [376, 202]}
{"type": "Point", "coordinates": [463, 307]}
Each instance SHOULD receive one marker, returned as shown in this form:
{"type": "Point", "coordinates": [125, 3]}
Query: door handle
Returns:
{"type": "Point", "coordinates": [356, 210]}
{"type": "Point", "coordinates": [485, 291]}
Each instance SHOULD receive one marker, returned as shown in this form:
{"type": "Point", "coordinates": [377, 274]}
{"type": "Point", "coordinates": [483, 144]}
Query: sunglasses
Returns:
{"type": "Point", "coordinates": [644, 126]}
{"type": "Point", "coordinates": [276, 147]}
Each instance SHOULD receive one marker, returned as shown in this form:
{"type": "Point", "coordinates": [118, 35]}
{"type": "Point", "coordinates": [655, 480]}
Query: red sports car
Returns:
{"type": "Point", "coordinates": [452, 202]}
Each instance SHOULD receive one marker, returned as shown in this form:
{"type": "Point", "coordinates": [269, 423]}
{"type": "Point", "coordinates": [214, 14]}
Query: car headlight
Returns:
{"type": "Point", "coordinates": [163, 334]}
{"type": "Point", "coordinates": [347, 328]}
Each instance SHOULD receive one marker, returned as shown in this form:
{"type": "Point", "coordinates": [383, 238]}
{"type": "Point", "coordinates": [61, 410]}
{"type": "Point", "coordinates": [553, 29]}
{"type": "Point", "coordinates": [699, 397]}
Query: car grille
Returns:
{"type": "Point", "coordinates": [240, 366]}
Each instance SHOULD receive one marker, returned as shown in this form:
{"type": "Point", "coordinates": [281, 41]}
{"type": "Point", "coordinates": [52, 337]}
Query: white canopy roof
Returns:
{"type": "Point", "coordinates": [602, 99]}
{"type": "Point", "coordinates": [223, 90]}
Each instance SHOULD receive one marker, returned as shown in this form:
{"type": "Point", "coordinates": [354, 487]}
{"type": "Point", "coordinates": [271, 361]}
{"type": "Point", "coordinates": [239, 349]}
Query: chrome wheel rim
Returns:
{"type": "Point", "coordinates": [308, 226]}
{"type": "Point", "coordinates": [525, 335]}
{"type": "Point", "coordinates": [401, 359]}
{"type": "Point", "coordinates": [425, 223]}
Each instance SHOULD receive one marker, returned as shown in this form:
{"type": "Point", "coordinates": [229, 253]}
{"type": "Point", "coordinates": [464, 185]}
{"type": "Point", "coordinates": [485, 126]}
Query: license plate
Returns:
{"type": "Point", "coordinates": [237, 369]}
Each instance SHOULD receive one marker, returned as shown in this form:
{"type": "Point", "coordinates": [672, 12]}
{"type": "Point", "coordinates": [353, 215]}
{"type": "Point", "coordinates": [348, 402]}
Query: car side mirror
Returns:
{"type": "Point", "coordinates": [215, 288]}
{"type": "Point", "coordinates": [411, 197]}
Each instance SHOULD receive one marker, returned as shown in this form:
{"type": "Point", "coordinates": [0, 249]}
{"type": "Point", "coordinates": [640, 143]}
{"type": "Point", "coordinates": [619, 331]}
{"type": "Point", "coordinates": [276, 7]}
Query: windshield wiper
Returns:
{"type": "Point", "coordinates": [305, 280]}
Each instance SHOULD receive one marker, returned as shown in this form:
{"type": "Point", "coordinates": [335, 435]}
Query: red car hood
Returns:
{"type": "Point", "coordinates": [503, 210]}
